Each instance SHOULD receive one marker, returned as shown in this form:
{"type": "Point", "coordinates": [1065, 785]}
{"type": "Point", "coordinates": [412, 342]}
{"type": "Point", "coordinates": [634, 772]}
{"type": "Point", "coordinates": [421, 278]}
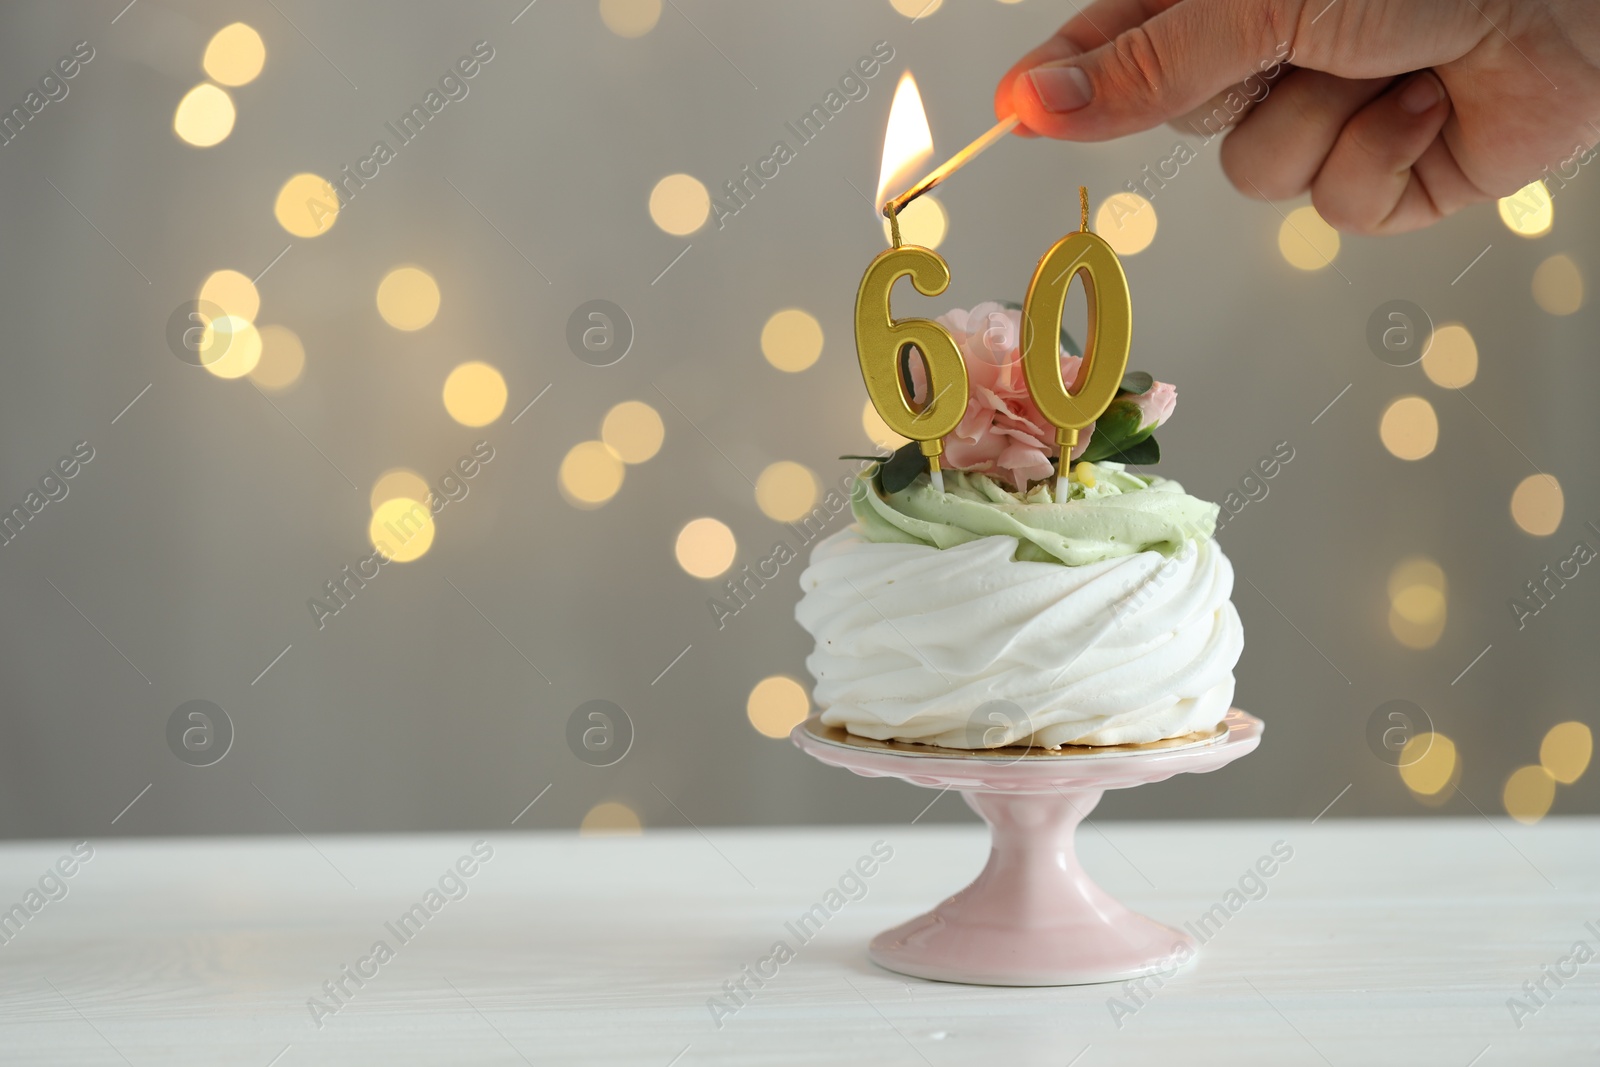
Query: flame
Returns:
{"type": "Point", "coordinates": [907, 143]}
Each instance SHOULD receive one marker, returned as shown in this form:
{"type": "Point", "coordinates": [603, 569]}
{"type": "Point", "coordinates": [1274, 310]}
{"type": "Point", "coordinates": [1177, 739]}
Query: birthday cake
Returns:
{"type": "Point", "coordinates": [1013, 608]}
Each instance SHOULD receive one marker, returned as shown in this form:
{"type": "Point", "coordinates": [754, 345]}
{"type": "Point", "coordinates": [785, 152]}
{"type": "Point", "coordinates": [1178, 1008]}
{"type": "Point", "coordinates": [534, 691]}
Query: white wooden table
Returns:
{"type": "Point", "coordinates": [1393, 942]}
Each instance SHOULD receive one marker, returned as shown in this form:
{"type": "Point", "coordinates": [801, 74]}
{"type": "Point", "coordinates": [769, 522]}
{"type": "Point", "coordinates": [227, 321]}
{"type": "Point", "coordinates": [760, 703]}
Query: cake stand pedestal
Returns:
{"type": "Point", "coordinates": [1033, 917]}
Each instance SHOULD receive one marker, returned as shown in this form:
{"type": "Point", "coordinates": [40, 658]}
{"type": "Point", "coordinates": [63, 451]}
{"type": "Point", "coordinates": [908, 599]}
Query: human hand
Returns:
{"type": "Point", "coordinates": [1394, 113]}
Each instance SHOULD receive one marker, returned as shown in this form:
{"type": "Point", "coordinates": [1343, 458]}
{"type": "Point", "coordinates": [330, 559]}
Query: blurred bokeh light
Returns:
{"type": "Point", "coordinates": [705, 547]}
{"type": "Point", "coordinates": [1558, 285]}
{"type": "Point", "coordinates": [1305, 241]}
{"type": "Point", "coordinates": [610, 818]}
{"type": "Point", "coordinates": [395, 483]}
{"type": "Point", "coordinates": [235, 55]}
{"type": "Point", "coordinates": [1428, 764]}
{"type": "Point", "coordinates": [1451, 360]}
{"type": "Point", "coordinates": [591, 473]}
{"type": "Point", "coordinates": [630, 18]}
{"type": "Point", "coordinates": [1537, 504]}
{"type": "Point", "coordinates": [283, 358]}
{"type": "Point", "coordinates": [408, 298]}
{"type": "Point", "coordinates": [1566, 750]}
{"type": "Point", "coordinates": [233, 292]}
{"type": "Point", "coordinates": [204, 116]}
{"type": "Point", "coordinates": [777, 705]}
{"type": "Point", "coordinates": [679, 204]}
{"type": "Point", "coordinates": [1528, 212]}
{"type": "Point", "coordinates": [1409, 428]}
{"type": "Point", "coordinates": [791, 340]}
{"type": "Point", "coordinates": [1528, 794]}
{"type": "Point", "coordinates": [307, 206]}
{"type": "Point", "coordinates": [475, 394]}
{"type": "Point", "coordinates": [402, 529]}
{"type": "Point", "coordinates": [1128, 223]}
{"type": "Point", "coordinates": [786, 491]}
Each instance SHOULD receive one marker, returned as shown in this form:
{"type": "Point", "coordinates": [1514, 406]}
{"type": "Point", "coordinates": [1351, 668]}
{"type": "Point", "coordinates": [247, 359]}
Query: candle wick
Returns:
{"type": "Point", "coordinates": [894, 225]}
{"type": "Point", "coordinates": [1083, 208]}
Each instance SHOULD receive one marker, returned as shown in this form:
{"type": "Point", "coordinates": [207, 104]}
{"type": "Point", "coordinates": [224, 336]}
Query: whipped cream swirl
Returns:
{"type": "Point", "coordinates": [913, 641]}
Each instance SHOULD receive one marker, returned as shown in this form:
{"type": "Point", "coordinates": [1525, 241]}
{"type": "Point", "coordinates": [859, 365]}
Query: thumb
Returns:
{"type": "Point", "coordinates": [1158, 70]}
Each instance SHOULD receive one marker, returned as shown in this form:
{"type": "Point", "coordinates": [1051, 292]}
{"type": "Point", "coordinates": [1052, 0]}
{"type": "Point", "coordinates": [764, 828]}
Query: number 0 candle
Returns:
{"type": "Point", "coordinates": [1105, 352]}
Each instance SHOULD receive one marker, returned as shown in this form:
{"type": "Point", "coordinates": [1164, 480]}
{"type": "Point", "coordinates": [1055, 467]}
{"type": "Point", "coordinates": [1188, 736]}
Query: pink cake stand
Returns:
{"type": "Point", "coordinates": [1033, 917]}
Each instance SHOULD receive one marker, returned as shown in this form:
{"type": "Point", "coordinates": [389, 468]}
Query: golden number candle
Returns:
{"type": "Point", "coordinates": [880, 342]}
{"type": "Point", "coordinates": [1105, 352]}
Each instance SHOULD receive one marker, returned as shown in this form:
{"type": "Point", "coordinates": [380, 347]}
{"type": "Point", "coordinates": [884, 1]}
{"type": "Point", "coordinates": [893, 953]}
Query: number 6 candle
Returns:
{"type": "Point", "coordinates": [882, 343]}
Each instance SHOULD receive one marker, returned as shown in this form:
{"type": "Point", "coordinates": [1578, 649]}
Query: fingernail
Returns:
{"type": "Point", "coordinates": [1421, 94]}
{"type": "Point", "coordinates": [1061, 88]}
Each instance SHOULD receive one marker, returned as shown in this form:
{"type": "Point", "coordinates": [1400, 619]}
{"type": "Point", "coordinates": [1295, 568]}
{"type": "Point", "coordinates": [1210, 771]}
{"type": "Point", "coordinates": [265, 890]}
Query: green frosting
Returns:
{"type": "Point", "coordinates": [1119, 515]}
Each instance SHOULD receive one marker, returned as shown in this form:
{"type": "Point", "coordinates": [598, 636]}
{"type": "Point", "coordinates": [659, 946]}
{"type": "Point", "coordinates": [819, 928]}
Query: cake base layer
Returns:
{"type": "Point", "coordinates": [839, 735]}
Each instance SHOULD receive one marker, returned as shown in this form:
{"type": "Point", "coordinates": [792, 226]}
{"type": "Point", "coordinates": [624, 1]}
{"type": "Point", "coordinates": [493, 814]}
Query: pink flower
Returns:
{"type": "Point", "coordinates": [1002, 433]}
{"type": "Point", "coordinates": [1155, 406]}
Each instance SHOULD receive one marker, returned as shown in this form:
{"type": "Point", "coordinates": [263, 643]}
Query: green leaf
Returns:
{"type": "Point", "coordinates": [872, 459]}
{"type": "Point", "coordinates": [1137, 382]}
{"type": "Point", "coordinates": [1143, 454]}
{"type": "Point", "coordinates": [902, 468]}
{"type": "Point", "coordinates": [1116, 430]}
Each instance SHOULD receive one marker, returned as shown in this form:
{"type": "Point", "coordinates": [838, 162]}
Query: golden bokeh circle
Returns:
{"type": "Point", "coordinates": [283, 358]}
{"type": "Point", "coordinates": [398, 482]}
{"type": "Point", "coordinates": [786, 491]}
{"type": "Point", "coordinates": [610, 819]}
{"type": "Point", "coordinates": [679, 204]}
{"type": "Point", "coordinates": [705, 548]}
{"type": "Point", "coordinates": [238, 343]}
{"type": "Point", "coordinates": [307, 205]}
{"type": "Point", "coordinates": [1428, 763]}
{"type": "Point", "coordinates": [1528, 794]}
{"type": "Point", "coordinates": [402, 529]}
{"type": "Point", "coordinates": [1409, 428]}
{"type": "Point", "coordinates": [878, 431]}
{"type": "Point", "coordinates": [1451, 361]}
{"type": "Point", "coordinates": [475, 394]}
{"type": "Point", "coordinates": [1537, 504]}
{"type": "Point", "coordinates": [1418, 602]}
{"type": "Point", "coordinates": [1419, 636]}
{"type": "Point", "coordinates": [1306, 241]}
{"type": "Point", "coordinates": [1416, 570]}
{"type": "Point", "coordinates": [1566, 750]}
{"type": "Point", "coordinates": [923, 222]}
{"type": "Point", "coordinates": [408, 298]}
{"type": "Point", "coordinates": [235, 55]}
{"type": "Point", "coordinates": [233, 292]}
{"type": "Point", "coordinates": [777, 705]}
{"type": "Point", "coordinates": [916, 9]}
{"type": "Point", "coordinates": [791, 340]}
{"type": "Point", "coordinates": [1528, 212]}
{"type": "Point", "coordinates": [204, 117]}
{"type": "Point", "coordinates": [591, 474]}
{"type": "Point", "coordinates": [634, 431]}
{"type": "Point", "coordinates": [630, 18]}
{"type": "Point", "coordinates": [1127, 221]}
{"type": "Point", "coordinates": [1558, 285]}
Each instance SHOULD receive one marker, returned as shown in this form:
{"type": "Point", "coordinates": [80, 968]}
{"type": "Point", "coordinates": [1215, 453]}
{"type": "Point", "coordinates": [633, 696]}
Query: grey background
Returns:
{"type": "Point", "coordinates": [193, 540]}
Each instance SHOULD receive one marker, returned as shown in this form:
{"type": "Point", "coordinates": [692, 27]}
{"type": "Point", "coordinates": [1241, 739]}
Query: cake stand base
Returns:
{"type": "Point", "coordinates": [1033, 917]}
